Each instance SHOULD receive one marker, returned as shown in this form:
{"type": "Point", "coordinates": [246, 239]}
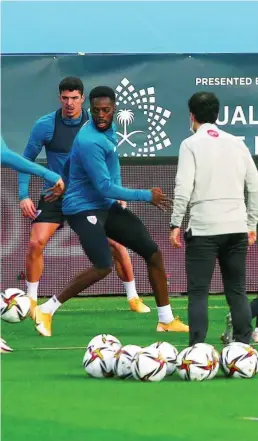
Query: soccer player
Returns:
{"type": "Point", "coordinates": [213, 169]}
{"type": "Point", "coordinates": [56, 132]}
{"type": "Point", "coordinates": [12, 160]}
{"type": "Point", "coordinates": [90, 207]}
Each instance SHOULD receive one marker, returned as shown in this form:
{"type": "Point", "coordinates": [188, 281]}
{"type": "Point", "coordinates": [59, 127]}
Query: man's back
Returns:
{"type": "Point", "coordinates": [221, 165]}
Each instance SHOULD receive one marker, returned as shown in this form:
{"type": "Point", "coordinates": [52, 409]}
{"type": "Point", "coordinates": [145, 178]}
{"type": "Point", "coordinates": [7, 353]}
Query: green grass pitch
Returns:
{"type": "Point", "coordinates": [47, 396]}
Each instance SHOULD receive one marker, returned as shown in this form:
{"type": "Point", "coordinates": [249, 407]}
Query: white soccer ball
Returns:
{"type": "Point", "coordinates": [149, 365]}
{"type": "Point", "coordinates": [239, 360]}
{"type": "Point", "coordinates": [122, 366]}
{"type": "Point", "coordinates": [169, 353]}
{"type": "Point", "coordinates": [15, 305]}
{"type": "Point", "coordinates": [105, 339]}
{"type": "Point", "coordinates": [197, 363]}
{"type": "Point", "coordinates": [212, 355]}
{"type": "Point", "coordinates": [98, 362]}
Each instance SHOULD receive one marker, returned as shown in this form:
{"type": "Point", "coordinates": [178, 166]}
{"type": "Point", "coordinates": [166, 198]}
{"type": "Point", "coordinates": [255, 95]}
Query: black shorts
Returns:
{"type": "Point", "coordinates": [50, 212]}
{"type": "Point", "coordinates": [95, 226]}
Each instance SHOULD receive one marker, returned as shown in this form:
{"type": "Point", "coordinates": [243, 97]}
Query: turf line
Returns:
{"type": "Point", "coordinates": [71, 348]}
{"type": "Point", "coordinates": [126, 309]}
{"type": "Point", "coordinates": [250, 418]}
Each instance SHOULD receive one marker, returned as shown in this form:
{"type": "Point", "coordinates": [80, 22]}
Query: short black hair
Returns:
{"type": "Point", "coordinates": [204, 106]}
{"type": "Point", "coordinates": [71, 84]}
{"type": "Point", "coordinates": [102, 92]}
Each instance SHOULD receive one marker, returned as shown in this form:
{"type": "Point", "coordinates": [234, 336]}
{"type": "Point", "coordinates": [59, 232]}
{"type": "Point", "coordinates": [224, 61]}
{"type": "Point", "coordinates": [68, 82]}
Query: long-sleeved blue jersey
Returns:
{"type": "Point", "coordinates": [12, 160]}
{"type": "Point", "coordinates": [94, 173]}
{"type": "Point", "coordinates": [56, 134]}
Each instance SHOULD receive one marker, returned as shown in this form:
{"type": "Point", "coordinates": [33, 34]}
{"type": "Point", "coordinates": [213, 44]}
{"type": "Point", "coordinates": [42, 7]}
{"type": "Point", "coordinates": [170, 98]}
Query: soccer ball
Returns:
{"type": "Point", "coordinates": [149, 365]}
{"type": "Point", "coordinates": [169, 353]}
{"type": "Point", "coordinates": [123, 358]}
{"type": "Point", "coordinates": [105, 339]}
{"type": "Point", "coordinates": [15, 305]}
{"type": "Point", "coordinates": [197, 363]}
{"type": "Point", "coordinates": [98, 362]}
{"type": "Point", "coordinates": [239, 360]}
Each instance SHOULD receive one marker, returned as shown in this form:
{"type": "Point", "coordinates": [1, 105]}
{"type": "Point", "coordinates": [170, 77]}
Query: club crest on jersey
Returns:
{"type": "Point", "coordinates": [92, 219]}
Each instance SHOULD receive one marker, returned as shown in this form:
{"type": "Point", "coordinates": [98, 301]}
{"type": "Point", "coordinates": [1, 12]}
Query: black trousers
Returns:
{"type": "Point", "coordinates": [201, 255]}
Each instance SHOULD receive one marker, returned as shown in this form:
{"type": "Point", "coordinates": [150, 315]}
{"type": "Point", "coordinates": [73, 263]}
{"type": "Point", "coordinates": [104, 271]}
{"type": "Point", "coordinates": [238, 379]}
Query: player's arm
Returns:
{"type": "Point", "coordinates": [42, 130]}
{"type": "Point", "coordinates": [251, 180]}
{"type": "Point", "coordinates": [17, 162]}
{"type": "Point", "coordinates": [93, 160]}
{"type": "Point", "coordinates": [94, 163]}
{"type": "Point", "coordinates": [184, 184]}
{"type": "Point", "coordinates": [32, 150]}
{"type": "Point", "coordinates": [118, 181]}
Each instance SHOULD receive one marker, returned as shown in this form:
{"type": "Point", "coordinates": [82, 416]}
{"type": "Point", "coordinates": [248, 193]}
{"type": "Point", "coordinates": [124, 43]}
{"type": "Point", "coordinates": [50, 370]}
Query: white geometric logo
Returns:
{"type": "Point", "coordinates": [156, 118]}
{"type": "Point", "coordinates": [126, 117]}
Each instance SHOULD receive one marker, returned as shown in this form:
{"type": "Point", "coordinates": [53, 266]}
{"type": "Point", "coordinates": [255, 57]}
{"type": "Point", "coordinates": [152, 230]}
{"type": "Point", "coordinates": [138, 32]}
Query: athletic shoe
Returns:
{"type": "Point", "coordinates": [4, 347]}
{"type": "Point", "coordinates": [255, 335]}
{"type": "Point", "coordinates": [227, 336]}
{"type": "Point", "coordinates": [43, 322]}
{"type": "Point", "coordinates": [33, 304]}
{"type": "Point", "coordinates": [175, 326]}
{"type": "Point", "coordinates": [136, 305]}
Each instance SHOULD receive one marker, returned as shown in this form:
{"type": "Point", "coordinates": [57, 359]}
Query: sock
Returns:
{"type": "Point", "coordinates": [50, 306]}
{"type": "Point", "coordinates": [165, 314]}
{"type": "Point", "coordinates": [130, 289]}
{"type": "Point", "coordinates": [32, 289]}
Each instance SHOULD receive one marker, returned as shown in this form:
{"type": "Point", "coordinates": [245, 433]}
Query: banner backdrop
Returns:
{"type": "Point", "coordinates": [152, 93]}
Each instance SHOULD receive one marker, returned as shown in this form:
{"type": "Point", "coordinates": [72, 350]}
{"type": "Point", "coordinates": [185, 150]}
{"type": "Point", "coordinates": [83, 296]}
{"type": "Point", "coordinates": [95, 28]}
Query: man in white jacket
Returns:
{"type": "Point", "coordinates": [213, 169]}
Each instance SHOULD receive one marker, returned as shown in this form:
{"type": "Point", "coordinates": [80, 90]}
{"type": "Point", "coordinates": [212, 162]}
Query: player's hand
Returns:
{"type": "Point", "coordinates": [28, 208]}
{"type": "Point", "coordinates": [252, 237]}
{"type": "Point", "coordinates": [160, 199]}
{"type": "Point", "coordinates": [55, 192]}
{"type": "Point", "coordinates": [122, 203]}
{"type": "Point", "coordinates": [175, 238]}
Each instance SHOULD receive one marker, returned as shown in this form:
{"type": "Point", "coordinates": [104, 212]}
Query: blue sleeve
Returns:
{"type": "Point", "coordinates": [32, 150]}
{"type": "Point", "coordinates": [13, 160]}
{"type": "Point", "coordinates": [93, 160]}
{"type": "Point", "coordinates": [118, 178]}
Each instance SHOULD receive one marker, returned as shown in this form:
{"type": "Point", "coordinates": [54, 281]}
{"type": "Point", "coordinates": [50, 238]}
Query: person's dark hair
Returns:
{"type": "Point", "coordinates": [204, 106]}
{"type": "Point", "coordinates": [71, 84]}
{"type": "Point", "coordinates": [102, 92]}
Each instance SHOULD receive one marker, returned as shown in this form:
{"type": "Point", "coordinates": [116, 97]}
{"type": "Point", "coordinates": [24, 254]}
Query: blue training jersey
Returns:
{"type": "Point", "coordinates": [94, 179]}
{"type": "Point", "coordinates": [12, 160]}
{"type": "Point", "coordinates": [41, 135]}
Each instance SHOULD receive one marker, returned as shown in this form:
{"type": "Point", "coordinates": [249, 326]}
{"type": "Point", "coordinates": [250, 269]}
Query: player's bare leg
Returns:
{"type": "Point", "coordinates": [39, 237]}
{"type": "Point", "coordinates": [158, 281]}
{"type": "Point", "coordinates": [124, 271]}
{"type": "Point", "coordinates": [83, 280]}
